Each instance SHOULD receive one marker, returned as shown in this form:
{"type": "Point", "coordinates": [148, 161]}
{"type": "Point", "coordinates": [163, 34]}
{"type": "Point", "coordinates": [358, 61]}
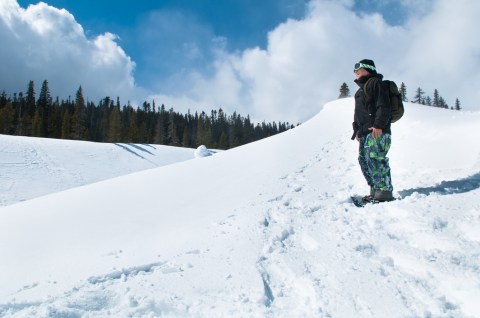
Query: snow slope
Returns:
{"type": "Point", "coordinates": [32, 167]}
{"type": "Point", "coordinates": [263, 230]}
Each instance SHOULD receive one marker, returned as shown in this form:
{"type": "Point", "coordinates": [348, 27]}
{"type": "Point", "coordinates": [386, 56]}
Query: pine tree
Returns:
{"type": "Point", "coordinates": [105, 106]}
{"type": "Point", "coordinates": [442, 103]}
{"type": "Point", "coordinates": [30, 99]}
{"type": "Point", "coordinates": [132, 135]}
{"type": "Point", "coordinates": [344, 91]}
{"type": "Point", "coordinates": [236, 130]}
{"type": "Point", "coordinates": [66, 125]}
{"type": "Point", "coordinates": [185, 139]}
{"type": "Point", "coordinates": [3, 99]}
{"type": "Point", "coordinates": [114, 133]}
{"type": "Point", "coordinates": [79, 124]}
{"type": "Point", "coordinates": [418, 98]}
{"type": "Point", "coordinates": [457, 104]}
{"type": "Point", "coordinates": [7, 117]}
{"type": "Point", "coordinates": [143, 133]}
{"type": "Point", "coordinates": [24, 118]}
{"type": "Point", "coordinates": [172, 135]}
{"type": "Point", "coordinates": [37, 123]}
{"type": "Point", "coordinates": [55, 120]}
{"type": "Point", "coordinates": [223, 130]}
{"type": "Point", "coordinates": [403, 92]}
{"type": "Point", "coordinates": [160, 127]}
{"type": "Point", "coordinates": [29, 110]}
{"type": "Point", "coordinates": [44, 105]}
{"type": "Point", "coordinates": [436, 98]}
{"type": "Point", "coordinates": [159, 137]}
{"type": "Point", "coordinates": [248, 130]}
{"type": "Point", "coordinates": [204, 131]}
{"type": "Point", "coordinates": [223, 143]}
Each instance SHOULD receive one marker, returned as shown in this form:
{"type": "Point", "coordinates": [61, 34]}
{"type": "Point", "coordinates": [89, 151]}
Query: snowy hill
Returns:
{"type": "Point", "coordinates": [32, 167]}
{"type": "Point", "coordinates": [261, 230]}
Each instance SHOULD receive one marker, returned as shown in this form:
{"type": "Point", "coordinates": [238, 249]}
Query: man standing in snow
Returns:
{"type": "Point", "coordinates": [371, 126]}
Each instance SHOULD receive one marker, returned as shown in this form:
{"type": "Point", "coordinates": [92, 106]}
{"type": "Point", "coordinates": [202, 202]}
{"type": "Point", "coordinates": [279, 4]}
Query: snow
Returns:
{"type": "Point", "coordinates": [262, 230]}
{"type": "Point", "coordinates": [203, 151]}
{"type": "Point", "coordinates": [32, 167]}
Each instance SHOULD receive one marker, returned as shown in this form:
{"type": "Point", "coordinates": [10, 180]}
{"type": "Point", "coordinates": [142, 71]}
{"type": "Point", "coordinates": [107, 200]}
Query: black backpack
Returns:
{"type": "Point", "coordinates": [396, 103]}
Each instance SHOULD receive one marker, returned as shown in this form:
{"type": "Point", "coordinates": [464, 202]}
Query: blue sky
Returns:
{"type": "Point", "coordinates": [154, 33]}
{"type": "Point", "coordinates": [272, 59]}
{"type": "Point", "coordinates": [160, 35]}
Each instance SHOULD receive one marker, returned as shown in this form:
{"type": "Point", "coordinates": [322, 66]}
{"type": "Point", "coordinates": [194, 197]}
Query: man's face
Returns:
{"type": "Point", "coordinates": [360, 72]}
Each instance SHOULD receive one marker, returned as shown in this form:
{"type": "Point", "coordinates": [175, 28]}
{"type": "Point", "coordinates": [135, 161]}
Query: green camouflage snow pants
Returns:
{"type": "Point", "coordinates": [374, 162]}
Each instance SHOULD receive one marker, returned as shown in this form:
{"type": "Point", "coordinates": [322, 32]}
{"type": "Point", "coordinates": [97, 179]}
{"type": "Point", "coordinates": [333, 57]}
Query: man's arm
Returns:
{"type": "Point", "coordinates": [382, 106]}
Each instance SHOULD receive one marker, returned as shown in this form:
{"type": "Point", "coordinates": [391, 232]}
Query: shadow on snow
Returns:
{"type": "Point", "coordinates": [129, 150]}
{"type": "Point", "coordinates": [447, 187]}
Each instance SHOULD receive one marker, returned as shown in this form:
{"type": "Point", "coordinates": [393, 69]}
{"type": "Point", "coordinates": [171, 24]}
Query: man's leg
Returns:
{"type": "Point", "coordinates": [376, 160]}
{"type": "Point", "coordinates": [363, 161]}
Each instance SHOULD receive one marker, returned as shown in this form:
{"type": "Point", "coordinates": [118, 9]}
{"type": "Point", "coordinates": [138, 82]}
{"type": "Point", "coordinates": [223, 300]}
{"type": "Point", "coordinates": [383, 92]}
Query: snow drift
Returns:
{"type": "Point", "coordinates": [32, 167]}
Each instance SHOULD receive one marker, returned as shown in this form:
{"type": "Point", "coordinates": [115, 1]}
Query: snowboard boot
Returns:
{"type": "Point", "coordinates": [369, 198]}
{"type": "Point", "coordinates": [383, 196]}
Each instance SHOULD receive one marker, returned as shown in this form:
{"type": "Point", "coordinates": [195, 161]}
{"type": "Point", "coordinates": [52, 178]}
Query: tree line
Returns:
{"type": "Point", "coordinates": [419, 98]}
{"type": "Point", "coordinates": [107, 121]}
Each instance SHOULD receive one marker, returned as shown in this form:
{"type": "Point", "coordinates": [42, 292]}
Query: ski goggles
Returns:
{"type": "Point", "coordinates": [361, 65]}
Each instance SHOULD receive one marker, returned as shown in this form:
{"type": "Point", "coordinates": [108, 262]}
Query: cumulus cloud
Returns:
{"type": "Point", "coordinates": [442, 52]}
{"type": "Point", "coordinates": [43, 42]}
{"type": "Point", "coordinates": [307, 60]}
{"type": "Point", "coordinates": [301, 68]}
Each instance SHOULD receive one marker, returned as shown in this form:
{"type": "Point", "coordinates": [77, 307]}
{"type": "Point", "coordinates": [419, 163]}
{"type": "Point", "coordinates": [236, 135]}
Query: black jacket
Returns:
{"type": "Point", "coordinates": [373, 113]}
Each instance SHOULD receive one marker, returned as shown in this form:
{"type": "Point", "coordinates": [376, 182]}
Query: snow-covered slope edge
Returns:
{"type": "Point", "coordinates": [32, 167]}
{"type": "Point", "coordinates": [260, 230]}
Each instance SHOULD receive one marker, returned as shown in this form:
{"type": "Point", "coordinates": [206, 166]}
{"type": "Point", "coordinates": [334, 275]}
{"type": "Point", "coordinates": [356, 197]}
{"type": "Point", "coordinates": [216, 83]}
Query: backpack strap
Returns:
{"type": "Point", "coordinates": [365, 90]}
{"type": "Point", "coordinates": [369, 84]}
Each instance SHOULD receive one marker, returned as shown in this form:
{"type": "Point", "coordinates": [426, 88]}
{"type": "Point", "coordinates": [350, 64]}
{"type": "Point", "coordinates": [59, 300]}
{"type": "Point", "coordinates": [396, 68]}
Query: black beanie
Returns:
{"type": "Point", "coordinates": [371, 63]}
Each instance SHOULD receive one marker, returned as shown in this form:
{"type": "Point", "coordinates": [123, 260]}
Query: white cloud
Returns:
{"type": "Point", "coordinates": [47, 43]}
{"type": "Point", "coordinates": [307, 60]}
{"type": "Point", "coordinates": [443, 52]}
{"type": "Point", "coordinates": [302, 67]}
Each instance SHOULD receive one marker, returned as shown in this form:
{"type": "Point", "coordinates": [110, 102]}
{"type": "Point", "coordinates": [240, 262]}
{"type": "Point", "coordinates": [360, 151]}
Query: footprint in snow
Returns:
{"type": "Point", "coordinates": [368, 250]}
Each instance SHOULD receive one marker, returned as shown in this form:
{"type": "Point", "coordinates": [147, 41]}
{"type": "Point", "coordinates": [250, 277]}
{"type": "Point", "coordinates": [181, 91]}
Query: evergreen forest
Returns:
{"type": "Point", "coordinates": [23, 114]}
